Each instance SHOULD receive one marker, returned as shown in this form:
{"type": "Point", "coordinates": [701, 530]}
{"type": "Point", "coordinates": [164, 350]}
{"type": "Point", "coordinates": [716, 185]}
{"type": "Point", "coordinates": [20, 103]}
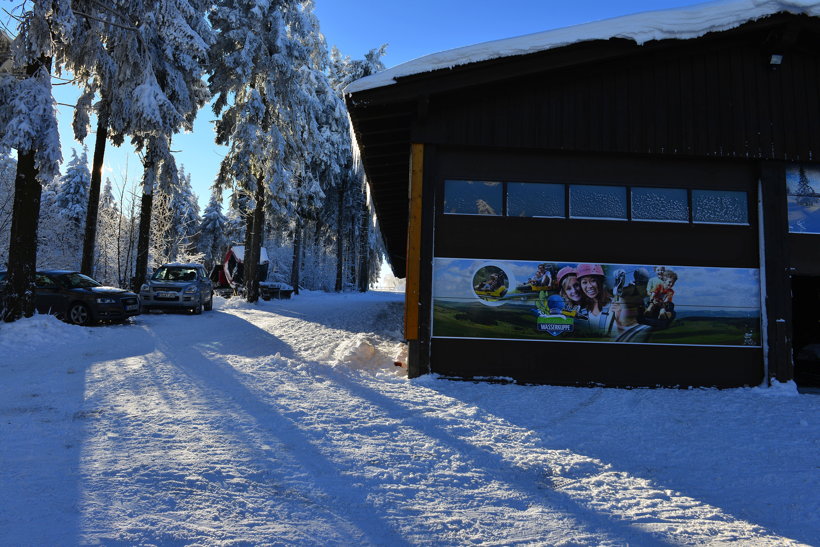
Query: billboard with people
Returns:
{"type": "Point", "coordinates": [570, 301]}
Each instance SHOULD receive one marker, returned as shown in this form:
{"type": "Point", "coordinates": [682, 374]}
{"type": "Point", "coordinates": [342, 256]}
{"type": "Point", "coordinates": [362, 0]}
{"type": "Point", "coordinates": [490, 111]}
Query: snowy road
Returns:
{"type": "Point", "coordinates": [288, 424]}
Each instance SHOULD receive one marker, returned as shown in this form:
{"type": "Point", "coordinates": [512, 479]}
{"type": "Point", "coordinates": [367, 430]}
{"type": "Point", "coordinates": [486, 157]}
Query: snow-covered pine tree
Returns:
{"type": "Point", "coordinates": [72, 194]}
{"type": "Point", "coordinates": [103, 62]}
{"type": "Point", "coordinates": [175, 224]}
{"type": "Point", "coordinates": [352, 209]}
{"type": "Point", "coordinates": [257, 81]}
{"type": "Point", "coordinates": [28, 124]}
{"type": "Point", "coordinates": [63, 213]}
{"type": "Point", "coordinates": [212, 232]}
{"type": "Point", "coordinates": [174, 39]}
{"type": "Point", "coordinates": [108, 220]}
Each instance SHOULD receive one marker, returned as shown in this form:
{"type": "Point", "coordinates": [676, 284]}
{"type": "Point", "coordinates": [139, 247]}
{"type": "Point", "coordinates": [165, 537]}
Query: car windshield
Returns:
{"type": "Point", "coordinates": [77, 281]}
{"type": "Point", "coordinates": [174, 273]}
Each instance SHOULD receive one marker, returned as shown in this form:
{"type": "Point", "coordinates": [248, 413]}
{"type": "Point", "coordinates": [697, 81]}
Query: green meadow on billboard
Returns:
{"type": "Point", "coordinates": [622, 303]}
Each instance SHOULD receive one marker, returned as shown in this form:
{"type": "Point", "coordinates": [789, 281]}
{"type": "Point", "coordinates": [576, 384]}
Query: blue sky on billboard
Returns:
{"type": "Point", "coordinates": [355, 27]}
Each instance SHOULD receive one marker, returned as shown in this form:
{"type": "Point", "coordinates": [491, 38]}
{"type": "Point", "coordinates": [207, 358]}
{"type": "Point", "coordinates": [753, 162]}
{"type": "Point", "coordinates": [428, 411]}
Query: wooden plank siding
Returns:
{"type": "Point", "coordinates": [717, 103]}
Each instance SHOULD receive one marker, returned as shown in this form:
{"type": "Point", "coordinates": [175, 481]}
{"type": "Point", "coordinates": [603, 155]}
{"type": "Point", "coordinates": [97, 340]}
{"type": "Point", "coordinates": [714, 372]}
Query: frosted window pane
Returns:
{"type": "Point", "coordinates": [803, 182]}
{"type": "Point", "coordinates": [535, 200]}
{"type": "Point", "coordinates": [472, 197]}
{"type": "Point", "coordinates": [669, 204]}
{"type": "Point", "coordinates": [597, 202]}
{"type": "Point", "coordinates": [719, 207]}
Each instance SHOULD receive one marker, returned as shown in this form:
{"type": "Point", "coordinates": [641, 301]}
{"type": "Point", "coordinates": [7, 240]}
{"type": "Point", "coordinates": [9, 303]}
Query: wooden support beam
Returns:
{"type": "Point", "coordinates": [411, 304]}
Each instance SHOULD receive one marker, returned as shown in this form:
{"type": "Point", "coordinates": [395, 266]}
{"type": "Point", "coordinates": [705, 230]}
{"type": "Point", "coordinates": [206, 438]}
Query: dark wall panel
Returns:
{"type": "Point", "coordinates": [628, 242]}
{"type": "Point", "coordinates": [716, 99]}
{"type": "Point", "coordinates": [618, 365]}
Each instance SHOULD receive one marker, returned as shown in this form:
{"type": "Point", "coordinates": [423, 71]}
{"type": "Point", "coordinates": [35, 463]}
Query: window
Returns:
{"type": "Point", "coordinates": [660, 204]}
{"type": "Point", "coordinates": [44, 282]}
{"type": "Point", "coordinates": [719, 207]}
{"type": "Point", "coordinates": [611, 202]}
{"type": "Point", "coordinates": [602, 202]}
{"type": "Point", "coordinates": [473, 197]}
{"type": "Point", "coordinates": [535, 200]}
{"type": "Point", "coordinates": [803, 199]}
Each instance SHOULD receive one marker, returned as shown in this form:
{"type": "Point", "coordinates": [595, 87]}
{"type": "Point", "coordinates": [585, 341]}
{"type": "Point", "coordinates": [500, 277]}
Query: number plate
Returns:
{"type": "Point", "coordinates": [166, 295]}
{"type": "Point", "coordinates": [131, 307]}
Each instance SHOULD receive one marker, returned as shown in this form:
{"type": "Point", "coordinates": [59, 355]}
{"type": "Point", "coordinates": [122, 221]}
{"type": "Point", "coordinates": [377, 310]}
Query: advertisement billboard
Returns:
{"type": "Point", "coordinates": [584, 302]}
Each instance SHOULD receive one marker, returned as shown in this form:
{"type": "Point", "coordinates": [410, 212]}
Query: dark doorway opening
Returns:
{"type": "Point", "coordinates": [806, 336]}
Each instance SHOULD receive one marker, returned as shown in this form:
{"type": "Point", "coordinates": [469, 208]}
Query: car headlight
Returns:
{"type": "Point", "coordinates": [106, 301]}
{"type": "Point", "coordinates": [192, 289]}
{"type": "Point", "coordinates": [145, 288]}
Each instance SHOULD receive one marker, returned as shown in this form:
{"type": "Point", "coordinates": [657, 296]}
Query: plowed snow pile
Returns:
{"type": "Point", "coordinates": [288, 423]}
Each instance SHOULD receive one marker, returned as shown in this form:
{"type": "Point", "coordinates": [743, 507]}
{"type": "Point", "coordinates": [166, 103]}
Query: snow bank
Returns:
{"type": "Point", "coordinates": [363, 352]}
{"type": "Point", "coordinates": [41, 331]}
{"type": "Point", "coordinates": [678, 23]}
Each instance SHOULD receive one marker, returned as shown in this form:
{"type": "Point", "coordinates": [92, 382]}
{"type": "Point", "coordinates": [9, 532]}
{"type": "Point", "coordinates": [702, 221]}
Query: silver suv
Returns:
{"type": "Point", "coordinates": [178, 286]}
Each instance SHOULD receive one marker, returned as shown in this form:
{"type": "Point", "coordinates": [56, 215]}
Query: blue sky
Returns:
{"type": "Point", "coordinates": [411, 30]}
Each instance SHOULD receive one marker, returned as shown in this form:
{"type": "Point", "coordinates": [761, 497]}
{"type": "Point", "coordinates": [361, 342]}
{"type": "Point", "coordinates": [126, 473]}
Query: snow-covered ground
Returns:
{"type": "Point", "coordinates": [287, 423]}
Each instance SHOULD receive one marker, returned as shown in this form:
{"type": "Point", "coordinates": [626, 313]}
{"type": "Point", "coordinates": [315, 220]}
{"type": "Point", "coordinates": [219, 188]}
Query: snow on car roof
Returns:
{"type": "Point", "coordinates": [677, 23]}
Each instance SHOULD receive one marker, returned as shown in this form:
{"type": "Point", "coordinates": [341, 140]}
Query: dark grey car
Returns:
{"type": "Point", "coordinates": [178, 286]}
{"type": "Point", "coordinates": [78, 299]}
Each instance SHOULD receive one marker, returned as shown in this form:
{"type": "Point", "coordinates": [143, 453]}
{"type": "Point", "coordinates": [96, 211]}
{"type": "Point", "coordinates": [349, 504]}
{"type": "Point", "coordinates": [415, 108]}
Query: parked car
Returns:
{"type": "Point", "coordinates": [79, 299]}
{"type": "Point", "coordinates": [178, 286]}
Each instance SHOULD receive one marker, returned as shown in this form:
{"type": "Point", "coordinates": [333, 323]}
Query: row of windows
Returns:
{"type": "Point", "coordinates": [586, 201]}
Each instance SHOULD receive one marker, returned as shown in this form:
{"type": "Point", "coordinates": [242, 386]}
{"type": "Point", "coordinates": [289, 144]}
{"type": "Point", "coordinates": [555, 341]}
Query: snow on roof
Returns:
{"type": "Point", "coordinates": [677, 23]}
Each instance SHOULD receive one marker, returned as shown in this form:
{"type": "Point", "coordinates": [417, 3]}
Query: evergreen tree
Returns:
{"type": "Point", "coordinates": [109, 219]}
{"type": "Point", "coordinates": [72, 195]}
{"type": "Point", "coordinates": [174, 40]}
{"type": "Point", "coordinates": [28, 124]}
{"type": "Point", "coordinates": [8, 170]}
{"type": "Point", "coordinates": [212, 232]}
{"type": "Point", "coordinates": [257, 81]}
{"type": "Point", "coordinates": [176, 223]}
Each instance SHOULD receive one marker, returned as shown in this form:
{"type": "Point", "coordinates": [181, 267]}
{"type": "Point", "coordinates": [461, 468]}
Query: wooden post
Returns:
{"type": "Point", "coordinates": [778, 303]}
{"type": "Point", "coordinates": [413, 279]}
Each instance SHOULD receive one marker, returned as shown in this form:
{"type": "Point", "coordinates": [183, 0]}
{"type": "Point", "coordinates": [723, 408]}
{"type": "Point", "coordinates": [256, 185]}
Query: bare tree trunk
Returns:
{"type": "Point", "coordinates": [19, 299]}
{"type": "Point", "coordinates": [23, 240]}
{"type": "Point", "coordinates": [340, 248]}
{"type": "Point", "coordinates": [90, 239]}
{"type": "Point", "coordinates": [296, 265]}
{"type": "Point", "coordinates": [351, 253]}
{"type": "Point", "coordinates": [364, 247]}
{"type": "Point", "coordinates": [144, 237]}
{"type": "Point", "coordinates": [254, 249]}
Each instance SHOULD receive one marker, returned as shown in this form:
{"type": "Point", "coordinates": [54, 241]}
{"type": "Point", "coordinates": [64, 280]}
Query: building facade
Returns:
{"type": "Point", "coordinates": [608, 211]}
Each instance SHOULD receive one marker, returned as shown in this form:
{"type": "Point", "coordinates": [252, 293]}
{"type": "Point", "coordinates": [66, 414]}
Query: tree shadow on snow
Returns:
{"type": "Point", "coordinates": [282, 454]}
{"type": "Point", "coordinates": [653, 435]}
{"type": "Point", "coordinates": [533, 483]}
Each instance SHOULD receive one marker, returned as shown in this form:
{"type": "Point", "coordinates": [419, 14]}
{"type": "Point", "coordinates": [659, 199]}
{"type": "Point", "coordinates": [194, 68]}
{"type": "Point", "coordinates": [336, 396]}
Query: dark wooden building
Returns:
{"type": "Point", "coordinates": [671, 178]}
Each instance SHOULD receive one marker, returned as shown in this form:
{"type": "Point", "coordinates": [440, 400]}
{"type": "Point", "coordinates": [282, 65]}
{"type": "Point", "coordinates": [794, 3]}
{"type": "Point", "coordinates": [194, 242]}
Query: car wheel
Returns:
{"type": "Point", "coordinates": [197, 310]}
{"type": "Point", "coordinates": [79, 314]}
{"type": "Point", "coordinates": [209, 305]}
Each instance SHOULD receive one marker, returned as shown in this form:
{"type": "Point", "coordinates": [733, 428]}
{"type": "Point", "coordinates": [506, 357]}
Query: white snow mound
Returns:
{"type": "Point", "coordinates": [363, 352]}
{"type": "Point", "coordinates": [40, 330]}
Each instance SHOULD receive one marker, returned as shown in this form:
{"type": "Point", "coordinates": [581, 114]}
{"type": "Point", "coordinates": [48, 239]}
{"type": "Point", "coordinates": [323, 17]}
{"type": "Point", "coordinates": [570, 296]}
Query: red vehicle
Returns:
{"type": "Point", "coordinates": [229, 276]}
